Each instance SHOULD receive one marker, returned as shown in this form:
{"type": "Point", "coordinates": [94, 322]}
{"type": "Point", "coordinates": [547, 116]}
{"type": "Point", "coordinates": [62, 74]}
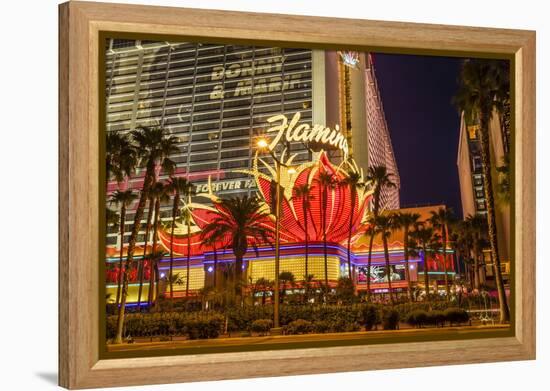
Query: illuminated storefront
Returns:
{"type": "Point", "coordinates": [209, 265]}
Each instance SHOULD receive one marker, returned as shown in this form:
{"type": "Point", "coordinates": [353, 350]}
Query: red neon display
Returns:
{"type": "Point", "coordinates": [338, 212]}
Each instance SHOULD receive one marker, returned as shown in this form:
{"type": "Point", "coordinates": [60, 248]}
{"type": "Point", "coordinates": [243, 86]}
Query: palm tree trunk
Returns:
{"type": "Point", "coordinates": [120, 265]}
{"type": "Point", "coordinates": [325, 196]}
{"type": "Point", "coordinates": [369, 265]}
{"type": "Point", "coordinates": [149, 175]}
{"type": "Point", "coordinates": [426, 277]}
{"type": "Point", "coordinates": [153, 277]}
{"type": "Point", "coordinates": [238, 277]}
{"type": "Point", "coordinates": [444, 232]}
{"type": "Point", "coordinates": [477, 279]}
{"type": "Point", "coordinates": [407, 270]}
{"type": "Point", "coordinates": [388, 267]}
{"type": "Point", "coordinates": [215, 267]}
{"type": "Point", "coordinates": [491, 220]}
{"type": "Point", "coordinates": [307, 235]}
{"type": "Point", "coordinates": [353, 196]}
{"type": "Point", "coordinates": [174, 212]}
{"type": "Point", "coordinates": [142, 269]}
{"type": "Point", "coordinates": [188, 257]}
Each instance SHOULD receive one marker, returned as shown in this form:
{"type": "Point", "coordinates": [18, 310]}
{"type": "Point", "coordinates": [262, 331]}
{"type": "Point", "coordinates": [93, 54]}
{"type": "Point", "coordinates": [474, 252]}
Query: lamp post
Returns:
{"type": "Point", "coordinates": [263, 145]}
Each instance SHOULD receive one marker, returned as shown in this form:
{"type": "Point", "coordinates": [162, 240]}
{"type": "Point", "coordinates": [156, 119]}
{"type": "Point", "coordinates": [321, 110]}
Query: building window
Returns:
{"type": "Point", "coordinates": [477, 163]}
{"type": "Point", "coordinates": [478, 180]}
{"type": "Point", "coordinates": [479, 193]}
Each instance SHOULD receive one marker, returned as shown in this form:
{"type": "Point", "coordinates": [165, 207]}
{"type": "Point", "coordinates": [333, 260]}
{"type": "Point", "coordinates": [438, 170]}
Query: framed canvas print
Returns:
{"type": "Point", "coordinates": [247, 195]}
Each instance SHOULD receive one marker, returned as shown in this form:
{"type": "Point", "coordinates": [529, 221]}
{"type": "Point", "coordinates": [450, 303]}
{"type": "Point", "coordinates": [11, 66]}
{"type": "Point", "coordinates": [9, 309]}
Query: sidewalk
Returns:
{"type": "Point", "coordinates": [289, 339]}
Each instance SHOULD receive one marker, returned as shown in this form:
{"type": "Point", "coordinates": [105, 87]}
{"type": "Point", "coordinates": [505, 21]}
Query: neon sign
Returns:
{"type": "Point", "coordinates": [305, 133]}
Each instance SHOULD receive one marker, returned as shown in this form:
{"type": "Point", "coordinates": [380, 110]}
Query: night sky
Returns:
{"type": "Point", "coordinates": [424, 125]}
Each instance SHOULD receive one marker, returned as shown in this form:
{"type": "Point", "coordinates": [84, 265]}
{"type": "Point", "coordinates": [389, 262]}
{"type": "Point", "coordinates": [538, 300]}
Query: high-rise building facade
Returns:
{"type": "Point", "coordinates": [215, 98]}
{"type": "Point", "coordinates": [470, 175]}
{"type": "Point", "coordinates": [354, 102]}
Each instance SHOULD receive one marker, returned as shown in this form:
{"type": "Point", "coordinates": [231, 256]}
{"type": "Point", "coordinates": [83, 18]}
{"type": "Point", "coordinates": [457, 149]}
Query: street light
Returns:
{"type": "Point", "coordinates": [263, 145]}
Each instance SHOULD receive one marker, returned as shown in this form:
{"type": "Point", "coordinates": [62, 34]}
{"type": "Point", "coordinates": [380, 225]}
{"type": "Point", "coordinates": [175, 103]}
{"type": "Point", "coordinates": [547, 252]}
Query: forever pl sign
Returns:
{"type": "Point", "coordinates": [305, 133]}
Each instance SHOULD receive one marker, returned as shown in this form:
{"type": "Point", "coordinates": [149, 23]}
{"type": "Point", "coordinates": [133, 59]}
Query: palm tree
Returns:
{"type": "Point", "coordinates": [308, 286]}
{"type": "Point", "coordinates": [159, 192]}
{"type": "Point", "coordinates": [264, 285]}
{"type": "Point", "coordinates": [111, 219]}
{"type": "Point", "coordinates": [123, 199]}
{"type": "Point", "coordinates": [213, 242]}
{"type": "Point", "coordinates": [424, 235]}
{"type": "Point", "coordinates": [503, 190]}
{"type": "Point", "coordinates": [121, 156]}
{"type": "Point", "coordinates": [241, 221]}
{"type": "Point", "coordinates": [141, 272]}
{"type": "Point", "coordinates": [441, 220]}
{"type": "Point", "coordinates": [187, 217]}
{"type": "Point", "coordinates": [380, 179]}
{"type": "Point", "coordinates": [385, 224]}
{"type": "Point", "coordinates": [354, 181]}
{"type": "Point", "coordinates": [435, 247]}
{"type": "Point", "coordinates": [326, 181]}
{"type": "Point", "coordinates": [285, 278]}
{"type": "Point", "coordinates": [406, 221]}
{"type": "Point", "coordinates": [303, 192]}
{"type": "Point", "coordinates": [153, 147]}
{"type": "Point", "coordinates": [480, 91]}
{"type": "Point", "coordinates": [478, 228]}
{"type": "Point", "coordinates": [178, 186]}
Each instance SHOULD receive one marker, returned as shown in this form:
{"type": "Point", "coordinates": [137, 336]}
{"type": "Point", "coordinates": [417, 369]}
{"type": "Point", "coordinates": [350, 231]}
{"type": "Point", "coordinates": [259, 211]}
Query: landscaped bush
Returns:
{"type": "Point", "coordinates": [456, 316]}
{"type": "Point", "coordinates": [299, 326]}
{"type": "Point", "coordinates": [405, 309]}
{"type": "Point", "coordinates": [261, 326]}
{"type": "Point", "coordinates": [321, 326]}
{"type": "Point", "coordinates": [436, 318]}
{"type": "Point", "coordinates": [370, 316]}
{"type": "Point", "coordinates": [417, 318]}
{"type": "Point", "coordinates": [204, 328]}
{"type": "Point", "coordinates": [295, 319]}
{"type": "Point", "coordinates": [390, 320]}
{"type": "Point", "coordinates": [194, 326]}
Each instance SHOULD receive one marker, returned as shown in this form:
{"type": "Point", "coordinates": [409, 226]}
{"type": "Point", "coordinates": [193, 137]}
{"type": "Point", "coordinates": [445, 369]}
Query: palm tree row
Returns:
{"type": "Point", "coordinates": [146, 149]}
{"type": "Point", "coordinates": [484, 89]}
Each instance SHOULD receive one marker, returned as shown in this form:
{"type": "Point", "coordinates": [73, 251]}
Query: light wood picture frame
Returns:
{"type": "Point", "coordinates": [81, 25]}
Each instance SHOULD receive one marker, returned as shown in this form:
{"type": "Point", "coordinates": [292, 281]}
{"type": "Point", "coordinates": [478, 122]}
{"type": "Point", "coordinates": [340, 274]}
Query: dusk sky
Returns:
{"type": "Point", "coordinates": [416, 93]}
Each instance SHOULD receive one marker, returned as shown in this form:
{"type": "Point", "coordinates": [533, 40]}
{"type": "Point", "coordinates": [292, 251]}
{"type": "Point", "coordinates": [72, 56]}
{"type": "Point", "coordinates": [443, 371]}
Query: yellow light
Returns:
{"type": "Point", "coordinates": [292, 171]}
{"type": "Point", "coordinates": [262, 143]}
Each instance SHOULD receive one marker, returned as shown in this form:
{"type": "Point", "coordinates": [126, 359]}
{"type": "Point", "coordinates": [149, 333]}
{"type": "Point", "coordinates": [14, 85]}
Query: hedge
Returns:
{"type": "Point", "coordinates": [419, 318]}
{"type": "Point", "coordinates": [322, 319]}
{"type": "Point", "coordinates": [192, 325]}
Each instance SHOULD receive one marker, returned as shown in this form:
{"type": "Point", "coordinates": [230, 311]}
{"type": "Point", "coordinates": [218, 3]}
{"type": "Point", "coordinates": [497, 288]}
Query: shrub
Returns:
{"type": "Point", "coordinates": [456, 315]}
{"type": "Point", "coordinates": [417, 318]}
{"type": "Point", "coordinates": [194, 326]}
{"type": "Point", "coordinates": [344, 326]}
{"type": "Point", "coordinates": [321, 326]}
{"type": "Point", "coordinates": [299, 326]}
{"type": "Point", "coordinates": [370, 316]}
{"type": "Point", "coordinates": [436, 318]}
{"type": "Point", "coordinates": [390, 320]}
{"type": "Point", "coordinates": [261, 326]}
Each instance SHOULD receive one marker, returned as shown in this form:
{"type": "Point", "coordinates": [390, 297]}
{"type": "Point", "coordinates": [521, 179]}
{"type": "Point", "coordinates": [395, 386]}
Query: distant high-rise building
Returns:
{"type": "Point", "coordinates": [470, 175]}
{"type": "Point", "coordinates": [354, 102]}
